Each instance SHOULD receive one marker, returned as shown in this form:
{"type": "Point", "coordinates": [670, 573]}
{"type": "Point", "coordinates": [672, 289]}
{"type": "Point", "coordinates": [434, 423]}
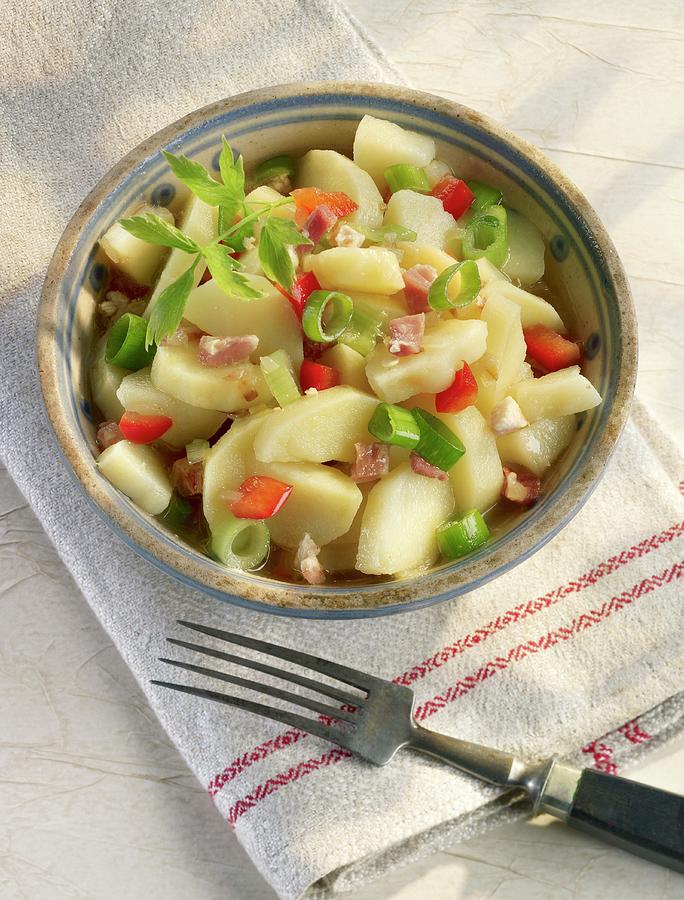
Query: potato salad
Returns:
{"type": "Point", "coordinates": [332, 367]}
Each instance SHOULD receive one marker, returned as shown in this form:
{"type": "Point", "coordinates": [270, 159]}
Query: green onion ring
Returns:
{"type": "Point", "coordinates": [469, 287]}
{"type": "Point", "coordinates": [317, 305]}
{"type": "Point", "coordinates": [486, 235]}
{"type": "Point", "coordinates": [460, 536]}
{"type": "Point", "coordinates": [438, 445]}
{"type": "Point", "coordinates": [240, 543]}
{"type": "Point", "coordinates": [395, 425]}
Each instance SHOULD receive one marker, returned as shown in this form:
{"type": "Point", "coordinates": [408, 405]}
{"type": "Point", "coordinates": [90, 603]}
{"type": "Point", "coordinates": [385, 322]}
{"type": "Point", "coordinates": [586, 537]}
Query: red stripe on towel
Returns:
{"type": "Point", "coordinates": [463, 686]}
{"type": "Point", "coordinates": [421, 670]}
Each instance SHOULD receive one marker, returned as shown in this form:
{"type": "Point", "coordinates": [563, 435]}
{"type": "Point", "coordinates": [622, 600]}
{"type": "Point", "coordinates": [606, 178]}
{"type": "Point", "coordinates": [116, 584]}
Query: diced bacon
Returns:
{"type": "Point", "coordinates": [417, 281]}
{"type": "Point", "coordinates": [113, 305]}
{"type": "Point", "coordinates": [187, 478]}
{"type": "Point", "coordinates": [319, 222]}
{"type": "Point", "coordinates": [372, 462]}
{"type": "Point", "coordinates": [346, 236]}
{"type": "Point", "coordinates": [520, 486]}
{"type": "Point", "coordinates": [507, 417]}
{"type": "Point", "coordinates": [306, 560]}
{"type": "Point", "coordinates": [406, 335]}
{"type": "Point", "coordinates": [124, 284]}
{"type": "Point", "coordinates": [108, 433]}
{"type": "Point", "coordinates": [223, 351]}
{"type": "Point", "coordinates": [423, 467]}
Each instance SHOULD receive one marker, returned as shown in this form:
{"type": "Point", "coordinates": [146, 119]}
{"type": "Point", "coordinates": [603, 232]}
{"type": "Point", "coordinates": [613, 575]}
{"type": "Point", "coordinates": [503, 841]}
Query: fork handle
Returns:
{"type": "Point", "coordinates": [636, 817]}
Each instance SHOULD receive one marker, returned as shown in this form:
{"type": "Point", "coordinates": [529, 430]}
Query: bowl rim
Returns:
{"type": "Point", "coordinates": [280, 598]}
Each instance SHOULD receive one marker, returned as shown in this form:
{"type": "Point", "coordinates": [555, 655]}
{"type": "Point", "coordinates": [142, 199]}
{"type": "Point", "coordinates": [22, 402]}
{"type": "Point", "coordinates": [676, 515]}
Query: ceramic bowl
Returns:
{"type": "Point", "coordinates": [294, 118]}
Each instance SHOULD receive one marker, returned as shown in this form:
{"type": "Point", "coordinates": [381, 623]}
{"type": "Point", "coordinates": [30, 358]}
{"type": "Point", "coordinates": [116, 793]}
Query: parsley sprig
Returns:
{"type": "Point", "coordinates": [277, 237]}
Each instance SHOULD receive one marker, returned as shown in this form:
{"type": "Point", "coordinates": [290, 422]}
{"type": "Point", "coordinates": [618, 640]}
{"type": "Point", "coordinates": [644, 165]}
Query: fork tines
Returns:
{"type": "Point", "coordinates": [325, 726]}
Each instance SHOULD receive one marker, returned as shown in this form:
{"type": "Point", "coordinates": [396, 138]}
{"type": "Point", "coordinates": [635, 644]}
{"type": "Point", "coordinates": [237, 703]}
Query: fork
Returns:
{"type": "Point", "coordinates": [378, 722]}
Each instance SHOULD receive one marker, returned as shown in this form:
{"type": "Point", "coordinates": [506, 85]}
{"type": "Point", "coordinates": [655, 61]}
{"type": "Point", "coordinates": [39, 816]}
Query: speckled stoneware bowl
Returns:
{"type": "Point", "coordinates": [582, 262]}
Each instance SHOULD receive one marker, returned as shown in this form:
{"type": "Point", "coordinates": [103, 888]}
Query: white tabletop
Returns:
{"type": "Point", "coordinates": [94, 800]}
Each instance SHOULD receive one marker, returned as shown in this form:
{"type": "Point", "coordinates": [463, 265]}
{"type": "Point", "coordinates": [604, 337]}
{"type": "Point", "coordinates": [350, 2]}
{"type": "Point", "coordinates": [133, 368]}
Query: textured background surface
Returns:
{"type": "Point", "coordinates": [95, 802]}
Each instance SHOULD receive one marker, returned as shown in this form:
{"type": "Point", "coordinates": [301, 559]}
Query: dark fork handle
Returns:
{"type": "Point", "coordinates": [635, 817]}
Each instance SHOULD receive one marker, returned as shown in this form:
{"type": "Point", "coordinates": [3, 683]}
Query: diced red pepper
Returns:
{"type": "Point", "coordinates": [301, 288]}
{"type": "Point", "coordinates": [316, 375]}
{"type": "Point", "coordinates": [260, 497]}
{"type": "Point", "coordinates": [550, 350]}
{"type": "Point", "coordinates": [142, 429]}
{"type": "Point", "coordinates": [462, 392]}
{"type": "Point", "coordinates": [455, 195]}
{"type": "Point", "coordinates": [307, 199]}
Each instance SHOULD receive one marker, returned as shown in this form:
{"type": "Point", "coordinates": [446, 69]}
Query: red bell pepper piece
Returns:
{"type": "Point", "coordinates": [301, 288]}
{"type": "Point", "coordinates": [462, 392]}
{"type": "Point", "coordinates": [550, 350]}
{"type": "Point", "coordinates": [307, 199]}
{"type": "Point", "coordinates": [142, 429]}
{"type": "Point", "coordinates": [316, 375]}
{"type": "Point", "coordinates": [260, 497]}
{"type": "Point", "coordinates": [455, 195]}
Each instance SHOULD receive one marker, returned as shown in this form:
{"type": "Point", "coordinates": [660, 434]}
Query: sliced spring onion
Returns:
{"type": "Point", "coordinates": [241, 543]}
{"type": "Point", "coordinates": [274, 169]}
{"type": "Point", "coordinates": [468, 288]}
{"type": "Point", "coordinates": [392, 424]}
{"type": "Point", "coordinates": [364, 327]}
{"type": "Point", "coordinates": [176, 512]}
{"type": "Point", "coordinates": [197, 450]}
{"type": "Point", "coordinates": [438, 445]}
{"type": "Point", "coordinates": [485, 195]}
{"type": "Point", "coordinates": [406, 178]}
{"type": "Point", "coordinates": [460, 536]}
{"type": "Point", "coordinates": [126, 343]}
{"type": "Point", "coordinates": [277, 372]}
{"type": "Point", "coordinates": [385, 232]}
{"type": "Point", "coordinates": [326, 315]}
{"type": "Point", "coordinates": [486, 236]}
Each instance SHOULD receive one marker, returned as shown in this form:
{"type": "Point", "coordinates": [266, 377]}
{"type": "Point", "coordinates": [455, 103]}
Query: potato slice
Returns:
{"type": "Point", "coordinates": [138, 472]}
{"type": "Point", "coordinates": [254, 201]}
{"type": "Point", "coordinates": [477, 477]}
{"type": "Point", "coordinates": [317, 427]}
{"type": "Point", "coordinates": [526, 248]}
{"type": "Point", "coordinates": [137, 394]}
{"type": "Point", "coordinates": [379, 144]}
{"type": "Point", "coordinates": [199, 221]}
{"type": "Point", "coordinates": [228, 463]}
{"type": "Point", "coordinates": [415, 254]}
{"type": "Point", "coordinates": [136, 258]}
{"type": "Point", "coordinates": [394, 306]}
{"type": "Point", "coordinates": [178, 372]}
{"type": "Point", "coordinates": [489, 272]}
{"type": "Point", "coordinates": [398, 528]}
{"type": "Point", "coordinates": [270, 318]}
{"type": "Point", "coordinates": [340, 555]}
{"type": "Point", "coordinates": [445, 347]}
{"type": "Point", "coordinates": [486, 398]}
{"type": "Point", "coordinates": [104, 383]}
{"type": "Point", "coordinates": [506, 348]}
{"type": "Point", "coordinates": [557, 394]}
{"type": "Point", "coordinates": [537, 446]}
{"type": "Point", "coordinates": [423, 214]}
{"type": "Point", "coordinates": [371, 270]}
{"type": "Point", "coordinates": [533, 310]}
{"type": "Point", "coordinates": [331, 171]}
{"type": "Point", "coordinates": [350, 364]}
{"type": "Point", "coordinates": [323, 503]}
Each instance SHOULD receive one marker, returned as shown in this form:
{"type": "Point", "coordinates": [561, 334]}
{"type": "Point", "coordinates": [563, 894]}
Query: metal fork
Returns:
{"type": "Point", "coordinates": [377, 722]}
